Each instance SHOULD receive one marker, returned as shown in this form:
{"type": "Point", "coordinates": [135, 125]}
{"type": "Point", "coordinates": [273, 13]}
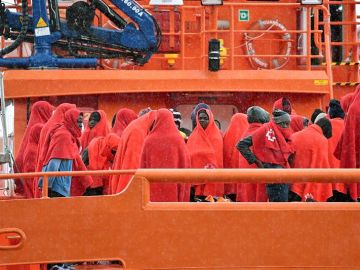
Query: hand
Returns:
{"type": "Point", "coordinates": [259, 164]}
{"type": "Point", "coordinates": [291, 160]}
{"type": "Point", "coordinates": [209, 166]}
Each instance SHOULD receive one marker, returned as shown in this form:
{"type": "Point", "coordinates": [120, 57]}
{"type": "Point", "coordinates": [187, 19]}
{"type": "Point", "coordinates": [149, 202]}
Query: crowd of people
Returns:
{"type": "Point", "coordinates": [55, 140]}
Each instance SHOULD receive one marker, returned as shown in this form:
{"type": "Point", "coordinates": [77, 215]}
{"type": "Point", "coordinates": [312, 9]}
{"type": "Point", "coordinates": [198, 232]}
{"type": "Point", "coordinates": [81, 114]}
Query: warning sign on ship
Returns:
{"type": "Point", "coordinates": [41, 23]}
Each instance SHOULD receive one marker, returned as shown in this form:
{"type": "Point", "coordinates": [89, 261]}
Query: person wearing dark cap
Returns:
{"type": "Point", "coordinates": [337, 115]}
{"type": "Point", "coordinates": [320, 116]}
{"type": "Point", "coordinates": [315, 114]}
{"type": "Point", "coordinates": [252, 192]}
{"type": "Point", "coordinates": [325, 125]}
{"type": "Point", "coordinates": [297, 122]}
{"type": "Point", "coordinates": [335, 110]}
{"type": "Point", "coordinates": [256, 114]}
{"type": "Point", "coordinates": [185, 133]}
{"type": "Point", "coordinates": [177, 117]}
{"type": "Point", "coordinates": [311, 151]}
{"type": "Point", "coordinates": [270, 149]}
{"type": "Point", "coordinates": [195, 110]}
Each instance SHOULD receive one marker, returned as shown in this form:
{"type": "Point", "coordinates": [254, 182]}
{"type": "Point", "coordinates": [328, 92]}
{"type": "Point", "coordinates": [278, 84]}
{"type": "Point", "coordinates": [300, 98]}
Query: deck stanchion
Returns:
{"type": "Point", "coordinates": [45, 187]}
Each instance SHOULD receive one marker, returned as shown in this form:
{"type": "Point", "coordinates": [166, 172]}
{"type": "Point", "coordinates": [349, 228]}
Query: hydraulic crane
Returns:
{"type": "Point", "coordinates": [83, 43]}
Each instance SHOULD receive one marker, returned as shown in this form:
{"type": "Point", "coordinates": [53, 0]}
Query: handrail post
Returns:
{"type": "Point", "coordinates": [327, 36]}
{"type": "Point", "coordinates": [317, 36]}
{"type": "Point", "coordinates": [203, 40]}
{"type": "Point", "coordinates": [327, 40]}
{"type": "Point", "coordinates": [45, 186]}
{"type": "Point", "coordinates": [308, 40]}
{"type": "Point", "coordinates": [232, 38]}
{"type": "Point", "coordinates": [182, 36]}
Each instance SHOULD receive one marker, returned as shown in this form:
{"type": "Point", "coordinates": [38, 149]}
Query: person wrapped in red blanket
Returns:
{"type": "Point", "coordinates": [96, 127]}
{"type": "Point", "coordinates": [164, 147]}
{"type": "Point", "coordinates": [99, 155]}
{"type": "Point", "coordinates": [30, 155]}
{"type": "Point", "coordinates": [337, 116]}
{"type": "Point", "coordinates": [311, 151]}
{"type": "Point", "coordinates": [55, 119]}
{"type": "Point", "coordinates": [252, 192]}
{"type": "Point", "coordinates": [128, 154]}
{"type": "Point", "coordinates": [237, 127]}
{"type": "Point", "coordinates": [205, 146]}
{"type": "Point", "coordinates": [348, 148]}
{"type": "Point", "coordinates": [122, 119]}
{"type": "Point", "coordinates": [63, 155]}
{"type": "Point", "coordinates": [40, 113]}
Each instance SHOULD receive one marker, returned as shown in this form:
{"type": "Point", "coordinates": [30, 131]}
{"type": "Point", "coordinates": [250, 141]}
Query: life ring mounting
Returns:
{"type": "Point", "coordinates": [284, 52]}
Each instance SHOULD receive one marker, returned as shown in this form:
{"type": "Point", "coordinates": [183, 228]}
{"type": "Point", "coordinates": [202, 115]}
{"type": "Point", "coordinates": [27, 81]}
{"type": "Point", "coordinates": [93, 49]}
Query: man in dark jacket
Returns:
{"type": "Point", "coordinates": [270, 149]}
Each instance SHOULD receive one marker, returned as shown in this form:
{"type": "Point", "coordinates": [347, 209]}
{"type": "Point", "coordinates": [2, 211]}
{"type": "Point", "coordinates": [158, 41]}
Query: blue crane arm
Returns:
{"type": "Point", "coordinates": [147, 24]}
{"type": "Point", "coordinates": [138, 39]}
{"type": "Point", "coordinates": [130, 37]}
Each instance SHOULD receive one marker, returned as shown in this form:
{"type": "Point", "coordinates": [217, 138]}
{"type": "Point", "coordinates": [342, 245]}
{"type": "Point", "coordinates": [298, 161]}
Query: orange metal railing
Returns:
{"type": "Point", "coordinates": [208, 29]}
{"type": "Point", "coordinates": [127, 227]}
{"type": "Point", "coordinates": [214, 175]}
{"type": "Point", "coordinates": [351, 5]}
{"type": "Point", "coordinates": [349, 43]}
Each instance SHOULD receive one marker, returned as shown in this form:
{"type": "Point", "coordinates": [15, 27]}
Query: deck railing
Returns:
{"type": "Point", "coordinates": [208, 176]}
{"type": "Point", "coordinates": [127, 227]}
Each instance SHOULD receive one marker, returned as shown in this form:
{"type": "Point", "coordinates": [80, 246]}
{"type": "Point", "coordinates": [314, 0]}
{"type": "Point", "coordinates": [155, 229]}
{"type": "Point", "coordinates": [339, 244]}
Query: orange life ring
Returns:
{"type": "Point", "coordinates": [285, 50]}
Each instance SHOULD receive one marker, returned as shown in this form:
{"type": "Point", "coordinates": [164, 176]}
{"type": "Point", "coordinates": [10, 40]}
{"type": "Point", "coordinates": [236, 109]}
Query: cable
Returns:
{"type": "Point", "coordinates": [254, 38]}
{"type": "Point", "coordinates": [22, 35]}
